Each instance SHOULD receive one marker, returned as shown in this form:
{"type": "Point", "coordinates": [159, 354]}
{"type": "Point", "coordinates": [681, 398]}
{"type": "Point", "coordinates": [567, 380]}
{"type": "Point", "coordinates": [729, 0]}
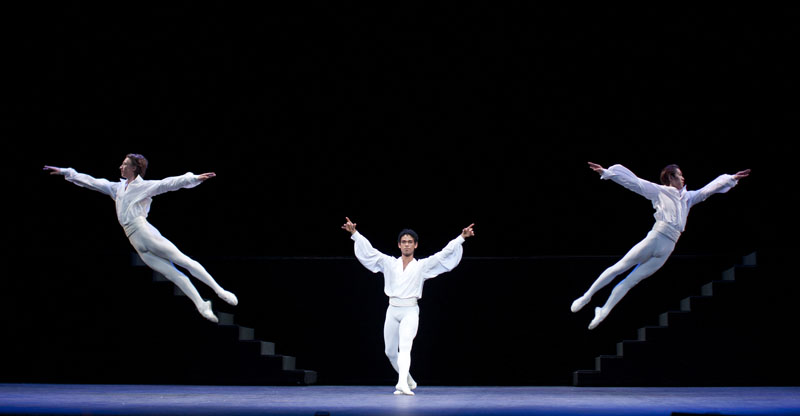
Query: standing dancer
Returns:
{"type": "Point", "coordinates": [133, 196]}
{"type": "Point", "coordinates": [403, 279]}
{"type": "Point", "coordinates": [672, 203]}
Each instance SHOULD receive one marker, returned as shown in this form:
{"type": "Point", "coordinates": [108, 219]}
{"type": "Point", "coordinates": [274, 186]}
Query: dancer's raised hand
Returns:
{"type": "Point", "coordinates": [349, 226]}
{"type": "Point", "coordinates": [206, 176]}
{"type": "Point", "coordinates": [468, 232]}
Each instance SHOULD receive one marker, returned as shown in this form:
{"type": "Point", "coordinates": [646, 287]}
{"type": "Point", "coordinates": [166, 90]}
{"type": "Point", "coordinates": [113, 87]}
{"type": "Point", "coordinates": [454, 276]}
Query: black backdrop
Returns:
{"type": "Point", "coordinates": [428, 116]}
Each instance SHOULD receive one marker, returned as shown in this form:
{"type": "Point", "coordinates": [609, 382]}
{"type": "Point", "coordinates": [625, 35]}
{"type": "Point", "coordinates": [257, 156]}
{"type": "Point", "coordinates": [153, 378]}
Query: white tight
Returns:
{"type": "Point", "coordinates": [399, 331]}
{"type": "Point", "coordinates": [648, 256]}
{"type": "Point", "coordinates": [161, 255]}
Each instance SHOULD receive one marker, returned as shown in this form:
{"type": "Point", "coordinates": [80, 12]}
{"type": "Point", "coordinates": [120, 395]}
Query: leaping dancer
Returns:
{"type": "Point", "coordinates": [403, 279]}
{"type": "Point", "coordinates": [672, 202]}
{"type": "Point", "coordinates": [133, 196]}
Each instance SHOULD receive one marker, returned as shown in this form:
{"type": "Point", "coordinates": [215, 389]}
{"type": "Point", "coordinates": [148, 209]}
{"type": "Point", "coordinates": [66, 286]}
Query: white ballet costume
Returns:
{"type": "Point", "coordinates": [404, 288]}
{"type": "Point", "coordinates": [132, 206]}
{"type": "Point", "coordinates": [672, 208]}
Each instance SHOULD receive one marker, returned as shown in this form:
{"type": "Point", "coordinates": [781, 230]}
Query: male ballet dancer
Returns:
{"type": "Point", "coordinates": [672, 202]}
{"type": "Point", "coordinates": [133, 196]}
{"type": "Point", "coordinates": [403, 279]}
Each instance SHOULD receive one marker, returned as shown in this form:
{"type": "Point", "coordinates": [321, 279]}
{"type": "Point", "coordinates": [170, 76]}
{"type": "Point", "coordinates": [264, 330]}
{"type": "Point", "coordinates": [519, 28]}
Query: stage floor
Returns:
{"type": "Point", "coordinates": [38, 399]}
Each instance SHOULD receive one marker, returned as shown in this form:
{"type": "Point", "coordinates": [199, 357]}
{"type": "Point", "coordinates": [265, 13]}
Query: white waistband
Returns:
{"type": "Point", "coordinates": [667, 230]}
{"type": "Point", "coordinates": [403, 301]}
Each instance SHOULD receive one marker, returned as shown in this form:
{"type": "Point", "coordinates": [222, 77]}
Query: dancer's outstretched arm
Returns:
{"type": "Point", "coordinates": [449, 257]}
{"type": "Point", "coordinates": [623, 176]}
{"type": "Point", "coordinates": [83, 180]}
{"type": "Point", "coordinates": [371, 258]}
{"type": "Point", "coordinates": [722, 184]}
{"type": "Point", "coordinates": [173, 183]}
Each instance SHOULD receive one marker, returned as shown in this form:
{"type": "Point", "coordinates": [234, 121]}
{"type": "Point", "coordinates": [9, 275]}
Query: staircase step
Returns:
{"type": "Point", "coordinates": [696, 303]}
{"type": "Point", "coordinates": [632, 348]}
{"type": "Point", "coordinates": [271, 363]}
{"type": "Point", "coordinates": [718, 288]}
{"type": "Point", "coordinates": [256, 348]}
{"type": "Point", "coordinates": [246, 334]}
{"type": "Point", "coordinates": [653, 333]}
{"type": "Point", "coordinates": [674, 318]}
{"type": "Point", "coordinates": [608, 363]}
{"type": "Point", "coordinates": [225, 318]}
{"type": "Point", "coordinates": [301, 377]}
{"type": "Point", "coordinates": [744, 273]}
{"type": "Point", "coordinates": [588, 378]}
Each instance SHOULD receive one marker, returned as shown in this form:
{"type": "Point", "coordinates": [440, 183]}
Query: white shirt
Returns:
{"type": "Point", "coordinates": [407, 283]}
{"type": "Point", "coordinates": [134, 200]}
{"type": "Point", "coordinates": [671, 204]}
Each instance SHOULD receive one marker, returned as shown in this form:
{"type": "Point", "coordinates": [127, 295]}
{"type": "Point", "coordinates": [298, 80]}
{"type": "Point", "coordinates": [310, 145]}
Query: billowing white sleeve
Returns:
{"type": "Point", "coordinates": [722, 184]}
{"type": "Point", "coordinates": [371, 258]}
{"type": "Point", "coordinates": [172, 183]}
{"type": "Point", "coordinates": [445, 260]}
{"type": "Point", "coordinates": [83, 180]}
{"type": "Point", "coordinates": [621, 175]}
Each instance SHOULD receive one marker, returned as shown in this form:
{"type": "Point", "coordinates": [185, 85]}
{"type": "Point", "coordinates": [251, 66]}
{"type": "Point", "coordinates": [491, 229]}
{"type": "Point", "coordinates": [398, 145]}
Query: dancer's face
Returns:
{"type": "Point", "coordinates": [126, 170]}
{"type": "Point", "coordinates": [677, 180]}
{"type": "Point", "coordinates": [407, 245]}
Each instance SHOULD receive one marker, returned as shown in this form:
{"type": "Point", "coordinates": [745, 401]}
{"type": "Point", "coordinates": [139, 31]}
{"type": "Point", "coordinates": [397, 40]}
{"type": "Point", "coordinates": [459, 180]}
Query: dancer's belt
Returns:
{"type": "Point", "coordinates": [134, 225]}
{"type": "Point", "coordinates": [403, 301]}
{"type": "Point", "coordinates": [667, 230]}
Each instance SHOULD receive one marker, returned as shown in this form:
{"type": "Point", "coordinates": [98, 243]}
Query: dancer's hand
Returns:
{"type": "Point", "coordinates": [595, 167]}
{"type": "Point", "coordinates": [468, 232]}
{"type": "Point", "coordinates": [53, 170]}
{"type": "Point", "coordinates": [205, 176]}
{"type": "Point", "coordinates": [741, 174]}
{"type": "Point", "coordinates": [349, 226]}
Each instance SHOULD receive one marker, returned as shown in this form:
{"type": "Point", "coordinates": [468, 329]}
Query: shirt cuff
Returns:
{"type": "Point", "coordinates": [461, 239]}
{"type": "Point", "coordinates": [354, 236]}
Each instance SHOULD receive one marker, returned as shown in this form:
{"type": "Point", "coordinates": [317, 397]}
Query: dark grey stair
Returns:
{"type": "Point", "coordinates": [653, 333]}
{"type": "Point", "coordinates": [257, 347]}
{"type": "Point", "coordinates": [674, 319]}
{"type": "Point", "coordinates": [632, 348]}
{"type": "Point", "coordinates": [718, 288]}
{"type": "Point", "coordinates": [696, 303]}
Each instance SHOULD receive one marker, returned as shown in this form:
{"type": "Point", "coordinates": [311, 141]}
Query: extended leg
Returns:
{"type": "Point", "coordinates": [162, 247]}
{"type": "Point", "coordinates": [639, 253]}
{"type": "Point", "coordinates": [641, 272]}
{"type": "Point", "coordinates": [174, 275]}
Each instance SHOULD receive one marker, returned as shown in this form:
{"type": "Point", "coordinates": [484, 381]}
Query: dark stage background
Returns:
{"type": "Point", "coordinates": [431, 117]}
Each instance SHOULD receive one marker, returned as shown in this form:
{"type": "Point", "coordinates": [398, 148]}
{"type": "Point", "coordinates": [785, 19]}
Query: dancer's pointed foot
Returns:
{"type": "Point", "coordinates": [205, 310]}
{"type": "Point", "coordinates": [403, 390]}
{"type": "Point", "coordinates": [599, 316]}
{"type": "Point", "coordinates": [579, 303]}
{"type": "Point", "coordinates": [411, 383]}
{"type": "Point", "coordinates": [228, 297]}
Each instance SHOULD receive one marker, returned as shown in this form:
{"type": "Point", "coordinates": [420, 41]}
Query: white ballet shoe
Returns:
{"type": "Point", "coordinates": [411, 383]}
{"type": "Point", "coordinates": [599, 316]}
{"type": "Point", "coordinates": [580, 303]}
{"type": "Point", "coordinates": [403, 390]}
{"type": "Point", "coordinates": [207, 313]}
{"type": "Point", "coordinates": [228, 297]}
